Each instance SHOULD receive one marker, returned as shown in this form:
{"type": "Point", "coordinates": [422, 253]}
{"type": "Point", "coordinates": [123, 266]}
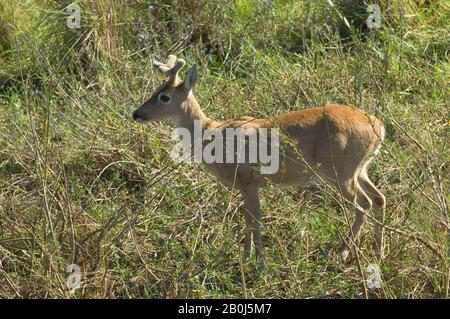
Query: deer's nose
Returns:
{"type": "Point", "coordinates": [136, 116]}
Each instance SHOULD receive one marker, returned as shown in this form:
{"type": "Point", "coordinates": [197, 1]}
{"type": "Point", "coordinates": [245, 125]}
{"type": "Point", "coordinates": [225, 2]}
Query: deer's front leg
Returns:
{"type": "Point", "coordinates": [247, 236]}
{"type": "Point", "coordinates": [252, 214]}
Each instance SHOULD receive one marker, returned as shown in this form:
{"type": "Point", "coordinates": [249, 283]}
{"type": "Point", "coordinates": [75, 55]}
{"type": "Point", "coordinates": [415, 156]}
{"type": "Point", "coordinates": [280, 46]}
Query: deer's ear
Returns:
{"type": "Point", "coordinates": [191, 78]}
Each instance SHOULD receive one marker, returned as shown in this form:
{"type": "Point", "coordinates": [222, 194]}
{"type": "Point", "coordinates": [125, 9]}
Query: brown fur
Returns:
{"type": "Point", "coordinates": [334, 143]}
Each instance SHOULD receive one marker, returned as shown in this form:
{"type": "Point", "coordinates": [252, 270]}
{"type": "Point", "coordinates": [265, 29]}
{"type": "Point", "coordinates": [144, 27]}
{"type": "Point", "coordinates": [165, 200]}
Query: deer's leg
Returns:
{"type": "Point", "coordinates": [252, 214]}
{"type": "Point", "coordinates": [353, 192]}
{"type": "Point", "coordinates": [247, 234]}
{"type": "Point", "coordinates": [379, 205]}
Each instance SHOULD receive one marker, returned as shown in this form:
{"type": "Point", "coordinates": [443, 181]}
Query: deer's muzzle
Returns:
{"type": "Point", "coordinates": [137, 117]}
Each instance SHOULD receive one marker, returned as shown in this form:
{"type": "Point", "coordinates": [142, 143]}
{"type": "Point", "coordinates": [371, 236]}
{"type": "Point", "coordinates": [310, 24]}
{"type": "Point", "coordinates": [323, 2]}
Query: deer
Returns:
{"type": "Point", "coordinates": [334, 143]}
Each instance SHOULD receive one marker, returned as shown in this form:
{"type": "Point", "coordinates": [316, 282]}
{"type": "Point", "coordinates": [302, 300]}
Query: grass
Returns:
{"type": "Point", "coordinates": [81, 183]}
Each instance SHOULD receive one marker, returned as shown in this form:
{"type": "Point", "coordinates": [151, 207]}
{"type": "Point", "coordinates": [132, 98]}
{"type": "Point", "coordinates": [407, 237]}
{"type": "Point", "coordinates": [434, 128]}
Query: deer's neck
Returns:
{"type": "Point", "coordinates": [192, 112]}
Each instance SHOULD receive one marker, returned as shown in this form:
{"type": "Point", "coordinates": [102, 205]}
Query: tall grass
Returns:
{"type": "Point", "coordinates": [81, 183]}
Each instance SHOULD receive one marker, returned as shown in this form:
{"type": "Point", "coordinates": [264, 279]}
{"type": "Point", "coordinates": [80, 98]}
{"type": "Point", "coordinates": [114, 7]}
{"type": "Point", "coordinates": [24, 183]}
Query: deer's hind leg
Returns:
{"type": "Point", "coordinates": [344, 178]}
{"type": "Point", "coordinates": [353, 192]}
{"type": "Point", "coordinates": [378, 204]}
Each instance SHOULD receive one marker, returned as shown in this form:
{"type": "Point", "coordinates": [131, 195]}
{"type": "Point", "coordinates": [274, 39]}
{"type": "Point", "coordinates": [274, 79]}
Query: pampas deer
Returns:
{"type": "Point", "coordinates": [334, 142]}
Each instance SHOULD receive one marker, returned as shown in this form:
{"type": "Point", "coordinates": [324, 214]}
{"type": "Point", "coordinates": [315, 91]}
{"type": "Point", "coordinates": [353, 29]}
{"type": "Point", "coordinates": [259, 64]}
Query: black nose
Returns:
{"type": "Point", "coordinates": [135, 115]}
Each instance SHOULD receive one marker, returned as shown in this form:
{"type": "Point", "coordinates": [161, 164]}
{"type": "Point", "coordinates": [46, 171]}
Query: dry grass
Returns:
{"type": "Point", "coordinates": [81, 183]}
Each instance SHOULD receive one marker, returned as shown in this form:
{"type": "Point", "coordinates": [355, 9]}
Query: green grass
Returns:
{"type": "Point", "coordinates": [81, 183]}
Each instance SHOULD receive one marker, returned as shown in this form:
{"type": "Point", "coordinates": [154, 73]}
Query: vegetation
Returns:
{"type": "Point", "coordinates": [81, 183]}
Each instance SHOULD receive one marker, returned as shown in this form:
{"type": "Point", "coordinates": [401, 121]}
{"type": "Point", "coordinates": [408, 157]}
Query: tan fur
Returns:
{"type": "Point", "coordinates": [334, 143]}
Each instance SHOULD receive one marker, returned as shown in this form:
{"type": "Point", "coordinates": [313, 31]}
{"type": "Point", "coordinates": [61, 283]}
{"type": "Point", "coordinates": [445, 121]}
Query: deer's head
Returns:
{"type": "Point", "coordinates": [168, 99]}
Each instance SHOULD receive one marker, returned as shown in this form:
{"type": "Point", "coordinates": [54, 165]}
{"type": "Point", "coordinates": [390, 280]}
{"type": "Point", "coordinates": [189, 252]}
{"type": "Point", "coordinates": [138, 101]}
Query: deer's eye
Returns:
{"type": "Point", "coordinates": [164, 99]}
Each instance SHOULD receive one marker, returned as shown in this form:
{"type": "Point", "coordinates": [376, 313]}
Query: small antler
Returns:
{"type": "Point", "coordinates": [171, 67]}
